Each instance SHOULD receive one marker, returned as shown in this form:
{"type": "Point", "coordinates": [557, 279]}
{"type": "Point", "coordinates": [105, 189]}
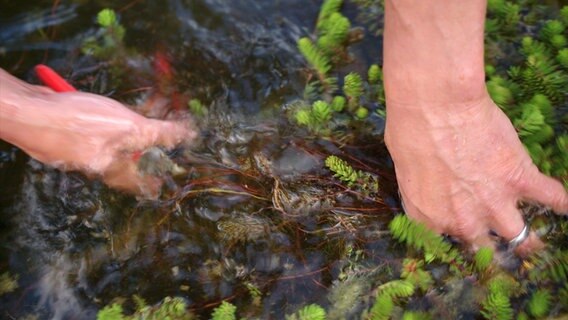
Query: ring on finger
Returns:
{"type": "Point", "coordinates": [520, 238]}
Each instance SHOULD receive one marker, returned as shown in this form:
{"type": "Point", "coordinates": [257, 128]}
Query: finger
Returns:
{"type": "Point", "coordinates": [532, 244]}
{"type": "Point", "coordinates": [165, 133]}
{"type": "Point", "coordinates": [123, 175]}
{"type": "Point", "coordinates": [474, 233]}
{"type": "Point", "coordinates": [546, 191]}
{"type": "Point", "coordinates": [416, 214]}
{"type": "Point", "coordinates": [508, 224]}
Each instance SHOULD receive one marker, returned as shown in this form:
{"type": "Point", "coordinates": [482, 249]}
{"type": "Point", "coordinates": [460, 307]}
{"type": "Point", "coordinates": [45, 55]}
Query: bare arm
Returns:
{"type": "Point", "coordinates": [459, 162]}
{"type": "Point", "coordinates": [81, 131]}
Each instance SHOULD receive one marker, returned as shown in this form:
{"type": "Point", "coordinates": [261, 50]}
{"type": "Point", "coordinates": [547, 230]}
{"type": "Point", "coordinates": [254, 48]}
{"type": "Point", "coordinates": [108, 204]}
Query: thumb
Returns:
{"type": "Point", "coordinates": [545, 190]}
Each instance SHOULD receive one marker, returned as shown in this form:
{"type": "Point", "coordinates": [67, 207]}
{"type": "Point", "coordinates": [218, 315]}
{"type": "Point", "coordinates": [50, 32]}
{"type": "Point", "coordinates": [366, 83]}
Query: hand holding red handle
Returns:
{"type": "Point", "coordinates": [51, 79]}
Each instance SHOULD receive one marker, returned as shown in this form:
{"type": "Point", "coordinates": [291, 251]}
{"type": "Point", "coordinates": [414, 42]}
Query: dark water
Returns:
{"type": "Point", "coordinates": [77, 245]}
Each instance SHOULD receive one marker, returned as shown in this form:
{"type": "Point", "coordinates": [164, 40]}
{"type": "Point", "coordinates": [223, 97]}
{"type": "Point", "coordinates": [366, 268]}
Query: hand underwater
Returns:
{"type": "Point", "coordinates": [85, 132]}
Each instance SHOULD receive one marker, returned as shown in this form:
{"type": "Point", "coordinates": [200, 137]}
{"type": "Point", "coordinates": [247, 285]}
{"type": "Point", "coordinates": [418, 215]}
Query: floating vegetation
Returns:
{"type": "Point", "coordinates": [330, 49]}
{"type": "Point", "coordinates": [429, 277]}
{"type": "Point", "coordinates": [8, 283]}
{"type": "Point", "coordinates": [197, 108]}
{"type": "Point", "coordinates": [108, 42]}
{"type": "Point", "coordinates": [168, 308]}
{"type": "Point", "coordinates": [239, 236]}
{"type": "Point", "coordinates": [309, 312]}
{"type": "Point", "coordinates": [364, 182]}
{"type": "Point", "coordinates": [241, 228]}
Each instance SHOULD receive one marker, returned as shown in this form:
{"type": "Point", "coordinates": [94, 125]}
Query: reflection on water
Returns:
{"type": "Point", "coordinates": [245, 212]}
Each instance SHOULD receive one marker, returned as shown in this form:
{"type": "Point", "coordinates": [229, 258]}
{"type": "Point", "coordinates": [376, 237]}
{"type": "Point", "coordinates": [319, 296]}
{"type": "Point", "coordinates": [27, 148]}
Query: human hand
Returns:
{"type": "Point", "coordinates": [462, 170]}
{"type": "Point", "coordinates": [85, 132]}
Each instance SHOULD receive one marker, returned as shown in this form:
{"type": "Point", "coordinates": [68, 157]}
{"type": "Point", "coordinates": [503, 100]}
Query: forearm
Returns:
{"type": "Point", "coordinates": [17, 111]}
{"type": "Point", "coordinates": [434, 52]}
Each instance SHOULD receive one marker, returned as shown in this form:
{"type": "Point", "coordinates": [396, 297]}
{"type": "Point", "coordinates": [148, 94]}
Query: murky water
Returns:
{"type": "Point", "coordinates": [256, 208]}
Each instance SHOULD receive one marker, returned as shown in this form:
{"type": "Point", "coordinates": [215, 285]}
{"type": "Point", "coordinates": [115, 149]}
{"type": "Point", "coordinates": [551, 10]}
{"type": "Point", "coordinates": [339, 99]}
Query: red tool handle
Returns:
{"type": "Point", "coordinates": [51, 79]}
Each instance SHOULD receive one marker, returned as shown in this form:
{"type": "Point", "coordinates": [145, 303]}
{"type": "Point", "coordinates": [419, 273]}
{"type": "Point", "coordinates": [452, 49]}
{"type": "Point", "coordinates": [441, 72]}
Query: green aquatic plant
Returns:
{"type": "Point", "coordinates": [328, 50]}
{"type": "Point", "coordinates": [333, 33]}
{"type": "Point", "coordinates": [168, 308]}
{"type": "Point", "coordinates": [361, 113]}
{"type": "Point", "coordinates": [363, 181]}
{"type": "Point", "coordinates": [539, 304]}
{"type": "Point", "coordinates": [532, 91]}
{"type": "Point", "coordinates": [416, 315]}
{"type": "Point", "coordinates": [386, 296]}
{"type": "Point", "coordinates": [197, 108]}
{"type": "Point", "coordinates": [417, 235]}
{"type": "Point", "coordinates": [108, 40]}
{"type": "Point", "coordinates": [342, 170]}
{"type": "Point", "coordinates": [353, 89]}
{"type": "Point", "coordinates": [327, 9]}
{"type": "Point", "coordinates": [321, 111]}
{"type": "Point", "coordinates": [497, 303]}
{"type": "Point", "coordinates": [375, 74]}
{"type": "Point", "coordinates": [549, 266]}
{"type": "Point", "coordinates": [338, 103]}
{"type": "Point", "coordinates": [483, 258]}
{"type": "Point", "coordinates": [107, 18]}
{"type": "Point", "coordinates": [112, 312]}
{"type": "Point", "coordinates": [504, 17]}
{"type": "Point", "coordinates": [225, 311]}
{"type": "Point", "coordinates": [309, 312]}
{"type": "Point", "coordinates": [497, 306]}
{"type": "Point", "coordinates": [317, 117]}
{"type": "Point", "coordinates": [316, 59]}
{"type": "Point", "coordinates": [413, 272]}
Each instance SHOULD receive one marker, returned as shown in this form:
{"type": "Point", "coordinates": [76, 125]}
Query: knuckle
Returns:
{"type": "Point", "coordinates": [519, 176]}
{"type": "Point", "coordinates": [560, 201]}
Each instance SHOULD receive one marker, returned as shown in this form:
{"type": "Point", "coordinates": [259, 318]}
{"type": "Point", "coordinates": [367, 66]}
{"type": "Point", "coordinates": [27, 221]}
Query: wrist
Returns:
{"type": "Point", "coordinates": [427, 128]}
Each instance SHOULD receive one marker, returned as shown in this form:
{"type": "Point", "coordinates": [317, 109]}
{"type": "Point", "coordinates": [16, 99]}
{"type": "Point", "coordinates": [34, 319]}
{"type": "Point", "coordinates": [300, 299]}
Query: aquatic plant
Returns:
{"type": "Point", "coordinates": [328, 8]}
{"type": "Point", "coordinates": [413, 272]}
{"type": "Point", "coordinates": [417, 235]}
{"type": "Point", "coordinates": [112, 312]}
{"type": "Point", "coordinates": [197, 108]}
{"type": "Point", "coordinates": [539, 303]}
{"type": "Point", "coordinates": [333, 35]}
{"type": "Point", "coordinates": [309, 312]}
{"type": "Point", "coordinates": [497, 306]}
{"type": "Point", "coordinates": [8, 283]}
{"type": "Point", "coordinates": [225, 311]}
{"type": "Point", "coordinates": [549, 266]}
{"type": "Point", "coordinates": [363, 181]}
{"type": "Point", "coordinates": [416, 315]}
{"type": "Point", "coordinates": [108, 40]}
{"type": "Point", "coordinates": [386, 296]}
{"type": "Point", "coordinates": [168, 308]}
{"type": "Point", "coordinates": [532, 92]}
{"type": "Point", "coordinates": [504, 17]}
{"type": "Point", "coordinates": [317, 60]}
{"type": "Point", "coordinates": [483, 258]}
{"type": "Point", "coordinates": [353, 88]}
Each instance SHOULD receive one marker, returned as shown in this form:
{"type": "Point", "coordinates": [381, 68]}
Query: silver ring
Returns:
{"type": "Point", "coordinates": [520, 238]}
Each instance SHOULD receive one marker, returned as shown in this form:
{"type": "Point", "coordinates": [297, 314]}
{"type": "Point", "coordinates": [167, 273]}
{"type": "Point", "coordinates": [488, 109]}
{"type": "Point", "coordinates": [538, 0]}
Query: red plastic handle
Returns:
{"type": "Point", "coordinates": [51, 79]}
